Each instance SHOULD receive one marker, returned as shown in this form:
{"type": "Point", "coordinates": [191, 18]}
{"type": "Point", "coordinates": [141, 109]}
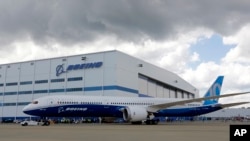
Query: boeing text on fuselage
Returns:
{"type": "Point", "coordinates": [71, 109]}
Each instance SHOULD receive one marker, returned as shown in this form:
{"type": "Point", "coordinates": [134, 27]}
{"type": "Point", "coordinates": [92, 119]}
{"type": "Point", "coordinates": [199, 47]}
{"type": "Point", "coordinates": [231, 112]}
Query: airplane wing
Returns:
{"type": "Point", "coordinates": [155, 108]}
{"type": "Point", "coordinates": [233, 104]}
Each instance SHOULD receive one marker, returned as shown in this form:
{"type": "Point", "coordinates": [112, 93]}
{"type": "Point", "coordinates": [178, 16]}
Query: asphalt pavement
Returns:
{"type": "Point", "coordinates": [179, 131]}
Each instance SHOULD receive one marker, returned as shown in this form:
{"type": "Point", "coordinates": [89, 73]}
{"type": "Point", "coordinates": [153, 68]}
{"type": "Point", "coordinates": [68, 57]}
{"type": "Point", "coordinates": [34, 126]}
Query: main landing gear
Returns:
{"type": "Point", "coordinates": [148, 122]}
{"type": "Point", "coordinates": [152, 122]}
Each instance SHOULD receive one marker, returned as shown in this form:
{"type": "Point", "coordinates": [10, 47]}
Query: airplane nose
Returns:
{"type": "Point", "coordinates": [26, 109]}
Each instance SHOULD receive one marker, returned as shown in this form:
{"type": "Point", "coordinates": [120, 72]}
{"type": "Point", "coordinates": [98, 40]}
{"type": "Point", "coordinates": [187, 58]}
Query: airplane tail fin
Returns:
{"type": "Point", "coordinates": [214, 90]}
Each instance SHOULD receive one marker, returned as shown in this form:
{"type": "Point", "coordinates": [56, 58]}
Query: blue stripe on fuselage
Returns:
{"type": "Point", "coordinates": [78, 111]}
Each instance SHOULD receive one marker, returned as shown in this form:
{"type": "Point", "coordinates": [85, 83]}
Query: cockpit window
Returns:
{"type": "Point", "coordinates": [34, 102]}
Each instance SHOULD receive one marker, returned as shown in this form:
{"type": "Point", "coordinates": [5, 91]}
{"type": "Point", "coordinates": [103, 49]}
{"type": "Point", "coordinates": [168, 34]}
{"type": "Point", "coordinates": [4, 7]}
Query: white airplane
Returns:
{"type": "Point", "coordinates": [131, 109]}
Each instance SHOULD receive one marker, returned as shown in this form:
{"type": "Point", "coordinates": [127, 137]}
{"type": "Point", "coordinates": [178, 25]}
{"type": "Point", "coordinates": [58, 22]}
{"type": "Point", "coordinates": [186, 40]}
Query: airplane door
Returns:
{"type": "Point", "coordinates": [51, 102]}
{"type": "Point", "coordinates": [106, 103]}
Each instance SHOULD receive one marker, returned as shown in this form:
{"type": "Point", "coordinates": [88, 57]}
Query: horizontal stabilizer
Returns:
{"type": "Point", "coordinates": [155, 108]}
{"type": "Point", "coordinates": [233, 104]}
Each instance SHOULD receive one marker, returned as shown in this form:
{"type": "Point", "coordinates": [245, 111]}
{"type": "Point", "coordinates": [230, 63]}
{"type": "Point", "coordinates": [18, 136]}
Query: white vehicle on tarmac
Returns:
{"type": "Point", "coordinates": [29, 122]}
{"type": "Point", "coordinates": [34, 123]}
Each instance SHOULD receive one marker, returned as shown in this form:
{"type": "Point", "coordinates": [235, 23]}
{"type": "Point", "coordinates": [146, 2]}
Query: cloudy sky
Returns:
{"type": "Point", "coordinates": [197, 40]}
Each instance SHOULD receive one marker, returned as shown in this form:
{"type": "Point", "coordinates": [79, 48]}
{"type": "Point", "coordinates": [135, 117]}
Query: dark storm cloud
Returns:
{"type": "Point", "coordinates": [77, 21]}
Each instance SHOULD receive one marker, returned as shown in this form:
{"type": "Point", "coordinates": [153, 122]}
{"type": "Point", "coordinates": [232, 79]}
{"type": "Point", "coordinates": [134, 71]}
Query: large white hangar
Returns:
{"type": "Point", "coordinates": [110, 73]}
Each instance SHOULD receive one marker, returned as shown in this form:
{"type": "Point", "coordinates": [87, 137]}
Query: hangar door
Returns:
{"type": "Point", "coordinates": [150, 87]}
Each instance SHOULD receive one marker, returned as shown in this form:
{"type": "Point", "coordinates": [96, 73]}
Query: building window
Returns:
{"type": "Point", "coordinates": [9, 104]}
{"type": "Point", "coordinates": [11, 84]}
{"type": "Point", "coordinates": [41, 81]}
{"type": "Point", "coordinates": [74, 89]}
{"type": "Point", "coordinates": [26, 83]}
{"type": "Point", "coordinates": [23, 103]}
{"type": "Point", "coordinates": [25, 92]}
{"type": "Point", "coordinates": [56, 90]}
{"type": "Point", "coordinates": [10, 93]}
{"type": "Point", "coordinates": [57, 80]}
{"type": "Point", "coordinates": [1, 85]}
{"type": "Point", "coordinates": [75, 79]}
{"type": "Point", "coordinates": [40, 91]}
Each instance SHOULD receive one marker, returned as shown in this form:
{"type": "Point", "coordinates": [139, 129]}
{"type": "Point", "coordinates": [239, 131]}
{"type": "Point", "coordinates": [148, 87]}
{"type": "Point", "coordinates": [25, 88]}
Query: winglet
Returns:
{"type": "Point", "coordinates": [214, 90]}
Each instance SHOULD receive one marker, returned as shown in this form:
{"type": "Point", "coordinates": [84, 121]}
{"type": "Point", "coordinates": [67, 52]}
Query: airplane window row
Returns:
{"type": "Point", "coordinates": [112, 103]}
{"type": "Point", "coordinates": [71, 102]}
{"type": "Point", "coordinates": [67, 102]}
{"type": "Point", "coordinates": [125, 103]}
{"type": "Point", "coordinates": [193, 105]}
{"type": "Point", "coordinates": [91, 102]}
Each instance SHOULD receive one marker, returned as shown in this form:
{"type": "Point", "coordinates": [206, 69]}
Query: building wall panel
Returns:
{"type": "Point", "coordinates": [159, 91]}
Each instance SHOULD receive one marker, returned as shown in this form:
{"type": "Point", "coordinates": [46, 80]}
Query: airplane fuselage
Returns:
{"type": "Point", "coordinates": [95, 106]}
{"type": "Point", "coordinates": [132, 109]}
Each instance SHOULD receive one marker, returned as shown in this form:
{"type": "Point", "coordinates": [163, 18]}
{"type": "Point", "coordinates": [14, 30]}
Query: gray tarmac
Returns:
{"type": "Point", "coordinates": [183, 131]}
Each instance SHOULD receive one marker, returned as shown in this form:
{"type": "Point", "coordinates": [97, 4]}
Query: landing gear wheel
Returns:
{"type": "Point", "coordinates": [152, 122]}
{"type": "Point", "coordinates": [25, 124]}
{"type": "Point", "coordinates": [46, 123]}
{"type": "Point", "coordinates": [137, 122]}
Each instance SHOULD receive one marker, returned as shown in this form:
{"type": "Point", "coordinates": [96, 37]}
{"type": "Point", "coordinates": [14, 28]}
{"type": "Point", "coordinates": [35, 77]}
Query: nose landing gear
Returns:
{"type": "Point", "coordinates": [46, 123]}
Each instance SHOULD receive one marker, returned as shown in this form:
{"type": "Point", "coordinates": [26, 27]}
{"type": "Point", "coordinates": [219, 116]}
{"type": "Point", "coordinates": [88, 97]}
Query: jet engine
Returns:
{"type": "Point", "coordinates": [134, 113]}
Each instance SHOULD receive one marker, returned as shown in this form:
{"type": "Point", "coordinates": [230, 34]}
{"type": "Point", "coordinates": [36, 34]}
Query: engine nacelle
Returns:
{"type": "Point", "coordinates": [134, 113]}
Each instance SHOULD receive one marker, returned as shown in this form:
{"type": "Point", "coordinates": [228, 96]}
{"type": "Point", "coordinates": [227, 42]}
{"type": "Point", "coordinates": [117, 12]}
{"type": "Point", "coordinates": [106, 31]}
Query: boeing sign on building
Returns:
{"type": "Point", "coordinates": [60, 68]}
